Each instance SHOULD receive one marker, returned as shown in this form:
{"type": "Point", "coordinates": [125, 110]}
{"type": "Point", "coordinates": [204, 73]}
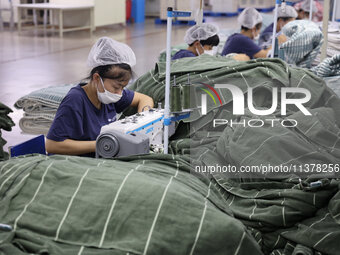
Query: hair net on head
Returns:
{"type": "Point", "coordinates": [249, 17]}
{"type": "Point", "coordinates": [200, 32]}
{"type": "Point", "coordinates": [305, 6]}
{"type": "Point", "coordinates": [287, 12]}
{"type": "Point", "coordinates": [107, 51]}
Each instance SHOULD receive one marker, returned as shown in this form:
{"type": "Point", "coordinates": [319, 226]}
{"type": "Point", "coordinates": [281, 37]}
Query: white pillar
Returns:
{"type": "Point", "coordinates": [326, 9]}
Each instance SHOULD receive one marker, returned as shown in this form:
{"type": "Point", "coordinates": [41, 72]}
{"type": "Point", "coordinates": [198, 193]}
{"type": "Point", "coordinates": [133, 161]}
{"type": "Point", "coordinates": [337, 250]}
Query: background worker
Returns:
{"type": "Point", "coordinates": [89, 106]}
{"type": "Point", "coordinates": [244, 42]}
{"type": "Point", "coordinates": [284, 16]}
{"type": "Point", "coordinates": [202, 39]}
{"type": "Point", "coordinates": [303, 10]}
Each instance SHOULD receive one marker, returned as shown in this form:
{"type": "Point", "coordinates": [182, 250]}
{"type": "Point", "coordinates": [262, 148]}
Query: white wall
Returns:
{"type": "Point", "coordinates": [6, 15]}
{"type": "Point", "coordinates": [337, 12]}
{"type": "Point", "coordinates": [226, 6]}
{"type": "Point", "coordinates": [152, 6]}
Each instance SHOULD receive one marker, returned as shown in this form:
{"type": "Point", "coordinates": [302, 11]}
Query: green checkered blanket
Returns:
{"type": "Point", "coordinates": [304, 44]}
{"type": "Point", "coordinates": [140, 205]}
{"type": "Point", "coordinates": [158, 204]}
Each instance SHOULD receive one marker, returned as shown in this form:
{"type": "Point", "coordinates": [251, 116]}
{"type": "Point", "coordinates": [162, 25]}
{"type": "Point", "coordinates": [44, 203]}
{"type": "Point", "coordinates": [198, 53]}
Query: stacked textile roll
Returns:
{"type": "Point", "coordinates": [6, 123]}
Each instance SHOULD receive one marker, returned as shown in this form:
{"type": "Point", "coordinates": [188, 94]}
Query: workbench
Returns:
{"type": "Point", "coordinates": [59, 10]}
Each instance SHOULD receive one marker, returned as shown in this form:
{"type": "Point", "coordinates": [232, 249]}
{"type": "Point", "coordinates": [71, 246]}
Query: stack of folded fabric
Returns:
{"type": "Point", "coordinates": [6, 123]}
{"type": "Point", "coordinates": [40, 108]}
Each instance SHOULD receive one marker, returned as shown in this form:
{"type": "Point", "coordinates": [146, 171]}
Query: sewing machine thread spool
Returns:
{"type": "Point", "coordinates": [176, 105]}
{"type": "Point", "coordinates": [186, 99]}
{"type": "Point", "coordinates": [189, 100]}
{"type": "Point", "coordinates": [175, 98]}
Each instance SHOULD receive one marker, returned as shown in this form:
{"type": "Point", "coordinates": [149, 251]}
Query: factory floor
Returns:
{"type": "Point", "coordinates": [36, 59]}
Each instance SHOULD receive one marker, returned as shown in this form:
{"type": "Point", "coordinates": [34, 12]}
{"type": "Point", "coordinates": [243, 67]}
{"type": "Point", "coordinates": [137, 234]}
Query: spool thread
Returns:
{"type": "Point", "coordinates": [175, 99]}
{"type": "Point", "coordinates": [186, 99]}
{"type": "Point", "coordinates": [189, 97]}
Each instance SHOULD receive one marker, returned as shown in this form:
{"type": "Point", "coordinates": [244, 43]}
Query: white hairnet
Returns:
{"type": "Point", "coordinates": [107, 51]}
{"type": "Point", "coordinates": [200, 32]}
{"type": "Point", "coordinates": [287, 12]}
{"type": "Point", "coordinates": [305, 6]}
{"type": "Point", "coordinates": [249, 17]}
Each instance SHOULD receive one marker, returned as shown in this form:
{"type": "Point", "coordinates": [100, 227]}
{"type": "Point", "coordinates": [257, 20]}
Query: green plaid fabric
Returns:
{"type": "Point", "coordinates": [156, 204]}
{"type": "Point", "coordinates": [304, 44]}
{"type": "Point", "coordinates": [141, 205]}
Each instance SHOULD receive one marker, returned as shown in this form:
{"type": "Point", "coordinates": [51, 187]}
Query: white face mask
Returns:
{"type": "Point", "coordinates": [212, 52]}
{"type": "Point", "coordinates": [256, 38]}
{"type": "Point", "coordinates": [107, 97]}
{"type": "Point", "coordinates": [209, 52]}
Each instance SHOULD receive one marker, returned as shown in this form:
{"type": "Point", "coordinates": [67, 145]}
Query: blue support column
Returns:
{"type": "Point", "coordinates": [138, 11]}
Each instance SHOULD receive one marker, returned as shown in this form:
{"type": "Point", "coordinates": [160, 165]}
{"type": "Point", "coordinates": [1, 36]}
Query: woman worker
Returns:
{"type": "Point", "coordinates": [303, 10]}
{"type": "Point", "coordinates": [243, 43]}
{"type": "Point", "coordinates": [89, 106]}
{"type": "Point", "coordinates": [284, 16]}
{"type": "Point", "coordinates": [201, 40]}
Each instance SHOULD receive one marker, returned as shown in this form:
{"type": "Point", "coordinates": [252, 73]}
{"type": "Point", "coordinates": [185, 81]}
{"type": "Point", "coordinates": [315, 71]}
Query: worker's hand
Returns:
{"type": "Point", "coordinates": [241, 57]}
{"type": "Point", "coordinates": [142, 102]}
{"type": "Point", "coordinates": [282, 39]}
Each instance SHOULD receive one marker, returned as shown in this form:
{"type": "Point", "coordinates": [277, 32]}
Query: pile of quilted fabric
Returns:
{"type": "Point", "coordinates": [40, 108]}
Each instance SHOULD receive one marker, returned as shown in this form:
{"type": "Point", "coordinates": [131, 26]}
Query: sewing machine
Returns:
{"type": "Point", "coordinates": [134, 135]}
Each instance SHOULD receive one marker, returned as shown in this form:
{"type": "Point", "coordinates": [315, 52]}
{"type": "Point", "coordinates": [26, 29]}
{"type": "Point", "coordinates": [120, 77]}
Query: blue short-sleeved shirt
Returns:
{"type": "Point", "coordinates": [78, 119]}
{"type": "Point", "coordinates": [268, 29]}
{"type": "Point", "coordinates": [240, 44]}
{"type": "Point", "coordinates": [183, 54]}
{"type": "Point", "coordinates": [266, 35]}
